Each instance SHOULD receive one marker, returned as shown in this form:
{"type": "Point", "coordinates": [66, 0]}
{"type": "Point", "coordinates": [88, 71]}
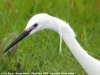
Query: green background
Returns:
{"type": "Point", "coordinates": [40, 52]}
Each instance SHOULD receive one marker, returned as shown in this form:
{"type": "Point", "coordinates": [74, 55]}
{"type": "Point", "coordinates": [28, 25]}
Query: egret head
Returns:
{"type": "Point", "coordinates": [36, 23]}
{"type": "Point", "coordinates": [39, 22]}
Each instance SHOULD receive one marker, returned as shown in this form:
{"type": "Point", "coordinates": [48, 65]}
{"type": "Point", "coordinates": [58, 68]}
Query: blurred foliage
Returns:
{"type": "Point", "coordinates": [40, 52]}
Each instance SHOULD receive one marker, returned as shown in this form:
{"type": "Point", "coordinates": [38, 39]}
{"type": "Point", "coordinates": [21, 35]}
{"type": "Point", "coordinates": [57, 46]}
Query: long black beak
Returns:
{"type": "Point", "coordinates": [21, 36]}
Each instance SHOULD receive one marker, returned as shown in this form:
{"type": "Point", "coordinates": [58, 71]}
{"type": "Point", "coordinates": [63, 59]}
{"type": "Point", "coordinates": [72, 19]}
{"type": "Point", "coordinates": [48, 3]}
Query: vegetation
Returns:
{"type": "Point", "coordinates": [40, 52]}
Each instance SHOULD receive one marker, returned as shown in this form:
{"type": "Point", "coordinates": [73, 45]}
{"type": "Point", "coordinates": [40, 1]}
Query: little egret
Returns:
{"type": "Point", "coordinates": [43, 21]}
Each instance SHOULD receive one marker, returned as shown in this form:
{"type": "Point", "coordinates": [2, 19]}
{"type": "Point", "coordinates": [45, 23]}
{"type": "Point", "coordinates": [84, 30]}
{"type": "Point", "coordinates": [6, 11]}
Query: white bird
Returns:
{"type": "Point", "coordinates": [43, 21]}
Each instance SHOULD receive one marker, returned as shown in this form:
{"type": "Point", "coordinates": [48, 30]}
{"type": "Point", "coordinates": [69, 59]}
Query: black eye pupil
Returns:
{"type": "Point", "coordinates": [35, 25]}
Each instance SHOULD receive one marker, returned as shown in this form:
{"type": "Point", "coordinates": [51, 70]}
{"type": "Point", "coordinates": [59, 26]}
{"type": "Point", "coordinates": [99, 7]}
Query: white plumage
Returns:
{"type": "Point", "coordinates": [90, 64]}
{"type": "Point", "coordinates": [42, 21]}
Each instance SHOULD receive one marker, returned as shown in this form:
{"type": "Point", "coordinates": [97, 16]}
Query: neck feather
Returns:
{"type": "Point", "coordinates": [90, 64]}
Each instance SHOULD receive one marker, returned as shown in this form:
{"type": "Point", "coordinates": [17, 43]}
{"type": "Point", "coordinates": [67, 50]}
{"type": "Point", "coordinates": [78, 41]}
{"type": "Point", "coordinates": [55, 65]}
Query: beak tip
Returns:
{"type": "Point", "coordinates": [5, 50]}
{"type": "Point", "coordinates": [23, 35]}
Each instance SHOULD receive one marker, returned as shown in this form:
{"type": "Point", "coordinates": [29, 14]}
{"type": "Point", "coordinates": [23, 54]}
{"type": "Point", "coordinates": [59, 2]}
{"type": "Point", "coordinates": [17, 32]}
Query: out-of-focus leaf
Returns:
{"type": "Point", "coordinates": [6, 41]}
